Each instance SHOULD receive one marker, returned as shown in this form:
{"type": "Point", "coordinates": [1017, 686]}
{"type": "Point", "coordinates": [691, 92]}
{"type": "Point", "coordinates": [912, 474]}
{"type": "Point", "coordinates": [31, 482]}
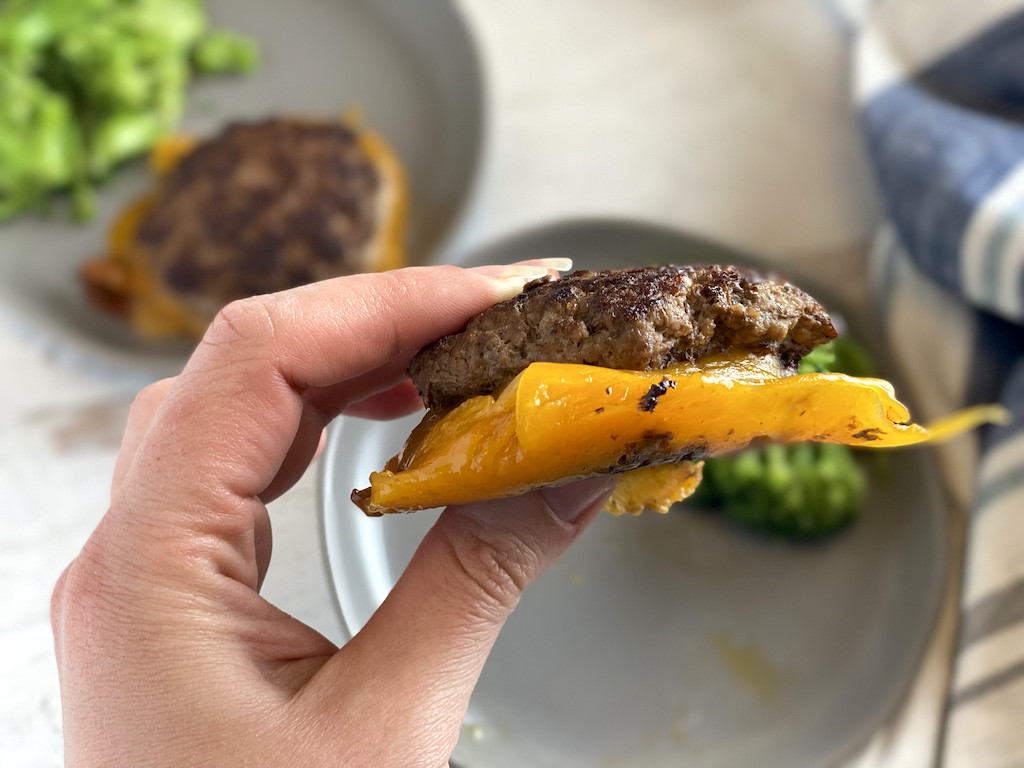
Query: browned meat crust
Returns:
{"type": "Point", "coordinates": [262, 207]}
{"type": "Point", "coordinates": [639, 319]}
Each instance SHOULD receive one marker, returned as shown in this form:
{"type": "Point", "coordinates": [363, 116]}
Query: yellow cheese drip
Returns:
{"type": "Point", "coordinates": [558, 422]}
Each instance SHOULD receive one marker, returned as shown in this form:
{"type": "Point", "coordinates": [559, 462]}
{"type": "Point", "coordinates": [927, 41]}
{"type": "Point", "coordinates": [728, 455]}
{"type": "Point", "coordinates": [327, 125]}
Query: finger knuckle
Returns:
{"type": "Point", "coordinates": [392, 291]}
{"type": "Point", "coordinates": [396, 286]}
{"type": "Point", "coordinates": [150, 395]}
{"type": "Point", "coordinates": [497, 565]}
{"type": "Point", "coordinates": [245, 321]}
{"type": "Point", "coordinates": [57, 603]}
{"type": "Point", "coordinates": [81, 593]}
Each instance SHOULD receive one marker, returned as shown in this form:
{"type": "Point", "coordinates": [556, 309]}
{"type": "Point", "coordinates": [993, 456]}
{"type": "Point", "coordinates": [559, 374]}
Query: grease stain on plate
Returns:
{"type": "Point", "coordinates": [748, 666]}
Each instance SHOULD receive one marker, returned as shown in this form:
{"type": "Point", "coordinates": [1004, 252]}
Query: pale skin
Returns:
{"type": "Point", "coordinates": [167, 653]}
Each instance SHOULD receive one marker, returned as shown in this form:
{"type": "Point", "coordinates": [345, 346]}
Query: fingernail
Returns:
{"type": "Point", "coordinates": [537, 267]}
{"type": "Point", "coordinates": [557, 263]}
{"type": "Point", "coordinates": [569, 502]}
{"type": "Point", "coordinates": [512, 271]}
{"type": "Point", "coordinates": [510, 279]}
{"type": "Point", "coordinates": [513, 279]}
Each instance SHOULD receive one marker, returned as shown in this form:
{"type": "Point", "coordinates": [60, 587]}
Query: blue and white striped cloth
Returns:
{"type": "Point", "coordinates": [940, 91]}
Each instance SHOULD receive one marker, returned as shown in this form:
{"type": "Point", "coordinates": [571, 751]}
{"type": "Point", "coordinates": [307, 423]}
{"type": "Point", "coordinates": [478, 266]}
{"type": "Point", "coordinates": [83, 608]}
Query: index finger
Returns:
{"type": "Point", "coordinates": [236, 407]}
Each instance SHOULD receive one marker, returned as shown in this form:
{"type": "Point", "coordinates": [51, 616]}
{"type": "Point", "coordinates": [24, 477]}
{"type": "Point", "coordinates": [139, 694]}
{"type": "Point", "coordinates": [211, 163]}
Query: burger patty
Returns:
{"type": "Point", "coordinates": [260, 208]}
{"type": "Point", "coordinates": [637, 319]}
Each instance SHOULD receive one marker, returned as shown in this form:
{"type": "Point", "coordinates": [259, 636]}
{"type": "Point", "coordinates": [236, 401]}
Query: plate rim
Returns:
{"type": "Point", "coordinates": [124, 366]}
{"type": "Point", "coordinates": [898, 693]}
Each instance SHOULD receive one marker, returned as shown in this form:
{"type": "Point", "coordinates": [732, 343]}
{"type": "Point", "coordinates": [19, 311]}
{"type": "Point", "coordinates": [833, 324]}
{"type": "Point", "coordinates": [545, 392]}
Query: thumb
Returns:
{"type": "Point", "coordinates": [432, 635]}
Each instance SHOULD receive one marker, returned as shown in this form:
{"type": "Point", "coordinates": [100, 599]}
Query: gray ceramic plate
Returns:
{"type": "Point", "coordinates": [673, 640]}
{"type": "Point", "coordinates": [412, 71]}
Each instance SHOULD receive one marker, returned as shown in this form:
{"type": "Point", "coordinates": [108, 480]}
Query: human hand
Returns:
{"type": "Point", "coordinates": [167, 653]}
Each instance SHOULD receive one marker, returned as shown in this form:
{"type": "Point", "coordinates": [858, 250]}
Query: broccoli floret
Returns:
{"type": "Point", "coordinates": [802, 491]}
{"type": "Point", "coordinates": [224, 51]}
{"type": "Point", "coordinates": [842, 355]}
{"type": "Point", "coordinates": [88, 84]}
{"type": "Point", "coordinates": [795, 491]}
{"type": "Point", "coordinates": [40, 147]}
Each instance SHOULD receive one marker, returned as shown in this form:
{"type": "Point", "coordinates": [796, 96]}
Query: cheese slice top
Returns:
{"type": "Point", "coordinates": [556, 422]}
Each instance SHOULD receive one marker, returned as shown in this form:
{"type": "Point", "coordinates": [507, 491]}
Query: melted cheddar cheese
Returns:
{"type": "Point", "coordinates": [557, 422]}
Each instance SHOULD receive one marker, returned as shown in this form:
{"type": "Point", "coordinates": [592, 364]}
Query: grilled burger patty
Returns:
{"type": "Point", "coordinates": [262, 207]}
{"type": "Point", "coordinates": [637, 319]}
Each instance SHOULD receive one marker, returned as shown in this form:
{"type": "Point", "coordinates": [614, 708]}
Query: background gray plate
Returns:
{"type": "Point", "coordinates": [678, 639]}
{"type": "Point", "coordinates": [412, 71]}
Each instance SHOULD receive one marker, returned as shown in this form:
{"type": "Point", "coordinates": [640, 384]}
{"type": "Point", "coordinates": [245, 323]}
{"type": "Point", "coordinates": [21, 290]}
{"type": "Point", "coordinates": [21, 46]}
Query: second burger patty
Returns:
{"type": "Point", "coordinates": [262, 207]}
{"type": "Point", "coordinates": [637, 319]}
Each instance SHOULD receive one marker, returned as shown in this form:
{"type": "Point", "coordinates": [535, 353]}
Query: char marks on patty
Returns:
{"type": "Point", "coordinates": [638, 319]}
{"type": "Point", "coordinates": [262, 207]}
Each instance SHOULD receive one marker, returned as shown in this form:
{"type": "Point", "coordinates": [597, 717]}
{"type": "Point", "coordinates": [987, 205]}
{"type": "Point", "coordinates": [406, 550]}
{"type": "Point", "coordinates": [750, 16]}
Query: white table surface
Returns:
{"type": "Point", "coordinates": [729, 119]}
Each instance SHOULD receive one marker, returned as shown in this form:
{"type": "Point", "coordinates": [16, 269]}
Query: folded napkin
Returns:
{"type": "Point", "coordinates": [940, 91]}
